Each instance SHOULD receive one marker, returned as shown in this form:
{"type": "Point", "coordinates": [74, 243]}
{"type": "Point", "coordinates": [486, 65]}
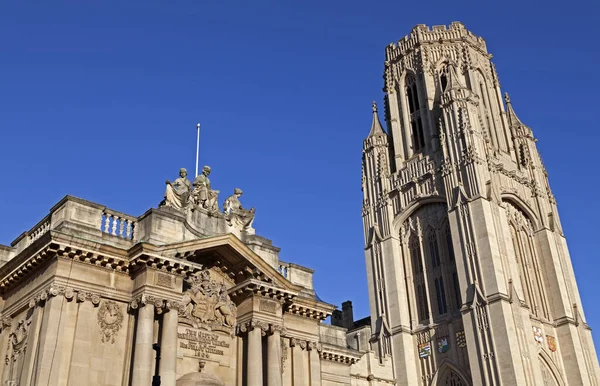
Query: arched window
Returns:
{"type": "Point", "coordinates": [530, 273]}
{"type": "Point", "coordinates": [452, 379]}
{"type": "Point", "coordinates": [412, 97]}
{"type": "Point", "coordinates": [444, 78]}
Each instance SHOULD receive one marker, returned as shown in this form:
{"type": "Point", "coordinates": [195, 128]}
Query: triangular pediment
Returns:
{"type": "Point", "coordinates": [226, 252]}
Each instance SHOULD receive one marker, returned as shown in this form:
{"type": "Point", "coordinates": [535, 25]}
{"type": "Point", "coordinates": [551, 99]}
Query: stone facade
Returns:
{"type": "Point", "coordinates": [89, 294]}
{"type": "Point", "coordinates": [469, 273]}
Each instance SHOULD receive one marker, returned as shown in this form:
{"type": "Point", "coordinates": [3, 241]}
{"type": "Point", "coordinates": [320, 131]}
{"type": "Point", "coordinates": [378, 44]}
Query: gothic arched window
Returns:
{"type": "Point", "coordinates": [530, 273]}
{"type": "Point", "coordinates": [416, 125]}
{"type": "Point", "coordinates": [444, 78]}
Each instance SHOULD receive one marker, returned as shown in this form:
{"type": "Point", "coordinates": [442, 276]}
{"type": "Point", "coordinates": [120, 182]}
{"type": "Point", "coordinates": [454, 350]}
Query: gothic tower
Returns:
{"type": "Point", "coordinates": [470, 279]}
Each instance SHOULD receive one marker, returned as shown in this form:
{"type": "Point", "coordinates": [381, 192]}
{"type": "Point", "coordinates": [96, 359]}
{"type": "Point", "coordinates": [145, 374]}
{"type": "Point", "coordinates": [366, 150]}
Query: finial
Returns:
{"type": "Point", "coordinates": [506, 98]}
{"type": "Point", "coordinates": [201, 365]}
{"type": "Point", "coordinates": [198, 126]}
{"type": "Point", "coordinates": [374, 106]}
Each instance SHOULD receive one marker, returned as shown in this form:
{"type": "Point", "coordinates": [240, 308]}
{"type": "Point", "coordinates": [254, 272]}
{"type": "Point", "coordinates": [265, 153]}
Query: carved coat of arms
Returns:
{"type": "Point", "coordinates": [207, 304]}
{"type": "Point", "coordinates": [538, 335]}
{"type": "Point", "coordinates": [551, 343]}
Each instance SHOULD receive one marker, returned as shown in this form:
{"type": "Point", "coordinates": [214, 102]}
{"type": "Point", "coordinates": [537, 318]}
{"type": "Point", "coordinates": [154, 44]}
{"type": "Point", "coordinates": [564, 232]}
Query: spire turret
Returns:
{"type": "Point", "coordinates": [513, 120]}
{"type": "Point", "coordinates": [376, 128]}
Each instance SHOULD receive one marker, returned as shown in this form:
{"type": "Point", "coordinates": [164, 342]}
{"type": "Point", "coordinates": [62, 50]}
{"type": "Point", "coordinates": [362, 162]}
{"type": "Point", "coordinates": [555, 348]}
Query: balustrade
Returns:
{"type": "Point", "coordinates": [118, 224]}
{"type": "Point", "coordinates": [284, 269]}
{"type": "Point", "coordinates": [37, 232]}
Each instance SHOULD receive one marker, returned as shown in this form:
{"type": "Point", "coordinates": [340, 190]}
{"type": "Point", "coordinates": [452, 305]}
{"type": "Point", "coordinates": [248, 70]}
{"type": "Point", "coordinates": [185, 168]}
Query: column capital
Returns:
{"type": "Point", "coordinates": [308, 345]}
{"type": "Point", "coordinates": [160, 305]}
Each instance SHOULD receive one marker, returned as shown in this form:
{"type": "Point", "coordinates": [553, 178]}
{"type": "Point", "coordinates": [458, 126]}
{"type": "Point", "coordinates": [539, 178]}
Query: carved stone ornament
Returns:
{"type": "Point", "coordinates": [207, 304]}
{"type": "Point", "coordinates": [110, 319]}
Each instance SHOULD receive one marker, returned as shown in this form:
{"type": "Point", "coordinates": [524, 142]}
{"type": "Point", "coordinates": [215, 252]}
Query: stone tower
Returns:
{"type": "Point", "coordinates": [470, 279]}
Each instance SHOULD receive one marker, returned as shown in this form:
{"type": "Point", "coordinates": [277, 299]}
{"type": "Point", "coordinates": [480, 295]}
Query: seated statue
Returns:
{"type": "Point", "coordinates": [203, 195]}
{"type": "Point", "coordinates": [178, 192]}
{"type": "Point", "coordinates": [235, 213]}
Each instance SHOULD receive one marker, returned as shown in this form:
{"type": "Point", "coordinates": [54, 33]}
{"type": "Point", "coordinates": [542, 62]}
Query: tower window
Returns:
{"type": "Point", "coordinates": [444, 78]}
{"type": "Point", "coordinates": [441, 295]}
{"type": "Point", "coordinates": [412, 97]}
{"type": "Point", "coordinates": [450, 246]}
{"type": "Point", "coordinates": [434, 250]}
{"type": "Point", "coordinates": [422, 302]}
{"type": "Point", "coordinates": [457, 298]}
{"type": "Point", "coordinates": [415, 253]}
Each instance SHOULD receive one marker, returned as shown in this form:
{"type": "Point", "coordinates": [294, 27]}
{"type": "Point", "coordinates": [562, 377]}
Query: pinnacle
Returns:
{"type": "Point", "coordinates": [513, 120]}
{"type": "Point", "coordinates": [376, 129]}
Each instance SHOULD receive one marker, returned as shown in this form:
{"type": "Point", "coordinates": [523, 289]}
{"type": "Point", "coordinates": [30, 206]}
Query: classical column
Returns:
{"type": "Point", "coordinates": [168, 349]}
{"type": "Point", "coordinates": [142, 360]}
{"type": "Point", "coordinates": [274, 357]}
{"type": "Point", "coordinates": [255, 367]}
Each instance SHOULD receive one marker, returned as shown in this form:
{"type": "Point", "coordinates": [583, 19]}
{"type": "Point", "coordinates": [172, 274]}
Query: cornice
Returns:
{"type": "Point", "coordinates": [340, 355]}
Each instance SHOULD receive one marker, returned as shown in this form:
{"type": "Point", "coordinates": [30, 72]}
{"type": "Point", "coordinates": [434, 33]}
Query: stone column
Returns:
{"type": "Point", "coordinates": [142, 360]}
{"type": "Point", "coordinates": [255, 367]}
{"type": "Point", "coordinates": [168, 349]}
{"type": "Point", "coordinates": [274, 357]}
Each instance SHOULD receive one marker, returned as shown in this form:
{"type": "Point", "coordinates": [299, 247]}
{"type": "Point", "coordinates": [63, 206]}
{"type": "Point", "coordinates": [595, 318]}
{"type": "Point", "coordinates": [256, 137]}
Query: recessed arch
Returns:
{"type": "Point", "coordinates": [449, 371]}
{"type": "Point", "coordinates": [519, 203]}
{"type": "Point", "coordinates": [412, 208]}
{"type": "Point", "coordinates": [552, 375]}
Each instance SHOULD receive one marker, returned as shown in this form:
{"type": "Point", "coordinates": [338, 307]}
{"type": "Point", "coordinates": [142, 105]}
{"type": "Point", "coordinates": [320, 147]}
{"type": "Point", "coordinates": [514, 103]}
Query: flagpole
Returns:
{"type": "Point", "coordinates": [197, 147]}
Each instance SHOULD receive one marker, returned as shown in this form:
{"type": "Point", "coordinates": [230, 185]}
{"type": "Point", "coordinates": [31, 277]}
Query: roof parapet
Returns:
{"type": "Point", "coordinates": [437, 33]}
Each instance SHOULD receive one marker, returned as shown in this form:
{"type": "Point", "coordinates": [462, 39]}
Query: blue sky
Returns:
{"type": "Point", "coordinates": [100, 99]}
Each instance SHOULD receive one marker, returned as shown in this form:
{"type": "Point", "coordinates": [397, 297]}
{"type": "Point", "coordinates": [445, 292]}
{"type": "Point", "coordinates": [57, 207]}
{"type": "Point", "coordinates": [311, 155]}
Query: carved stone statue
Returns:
{"type": "Point", "coordinates": [203, 195]}
{"type": "Point", "coordinates": [234, 212]}
{"type": "Point", "coordinates": [177, 194]}
{"type": "Point", "coordinates": [207, 303]}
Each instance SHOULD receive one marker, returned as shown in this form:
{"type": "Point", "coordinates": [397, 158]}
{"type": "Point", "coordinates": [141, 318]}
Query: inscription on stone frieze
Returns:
{"type": "Point", "coordinates": [202, 344]}
{"type": "Point", "coordinates": [267, 306]}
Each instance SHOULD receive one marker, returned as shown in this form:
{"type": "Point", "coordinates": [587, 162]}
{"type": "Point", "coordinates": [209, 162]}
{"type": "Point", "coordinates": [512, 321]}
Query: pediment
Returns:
{"type": "Point", "coordinates": [225, 253]}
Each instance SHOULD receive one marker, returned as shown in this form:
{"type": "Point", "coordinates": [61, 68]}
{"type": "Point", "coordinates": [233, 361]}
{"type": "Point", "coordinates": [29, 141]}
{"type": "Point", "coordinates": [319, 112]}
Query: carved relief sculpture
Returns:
{"type": "Point", "coordinates": [177, 193]}
{"type": "Point", "coordinates": [207, 304]}
{"type": "Point", "coordinates": [202, 193]}
{"type": "Point", "coordinates": [110, 319]}
{"type": "Point", "coordinates": [235, 214]}
{"type": "Point", "coordinates": [17, 345]}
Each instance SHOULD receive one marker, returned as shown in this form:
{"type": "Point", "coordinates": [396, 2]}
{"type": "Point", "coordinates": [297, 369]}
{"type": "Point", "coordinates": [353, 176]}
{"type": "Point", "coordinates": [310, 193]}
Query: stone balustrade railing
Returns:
{"type": "Point", "coordinates": [118, 224]}
{"type": "Point", "coordinates": [37, 231]}
{"type": "Point", "coordinates": [284, 269]}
